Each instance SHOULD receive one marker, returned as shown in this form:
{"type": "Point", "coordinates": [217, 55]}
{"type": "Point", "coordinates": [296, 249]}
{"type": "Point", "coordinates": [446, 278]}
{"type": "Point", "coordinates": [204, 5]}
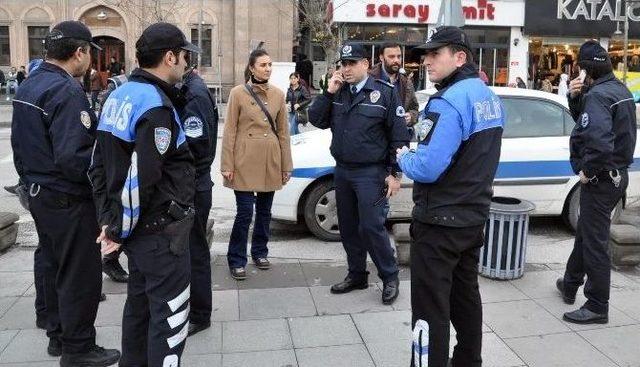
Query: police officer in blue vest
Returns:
{"type": "Point", "coordinates": [53, 132]}
{"type": "Point", "coordinates": [200, 122]}
{"type": "Point", "coordinates": [602, 144]}
{"type": "Point", "coordinates": [144, 164]}
{"type": "Point", "coordinates": [367, 121]}
{"type": "Point", "coordinates": [453, 168]}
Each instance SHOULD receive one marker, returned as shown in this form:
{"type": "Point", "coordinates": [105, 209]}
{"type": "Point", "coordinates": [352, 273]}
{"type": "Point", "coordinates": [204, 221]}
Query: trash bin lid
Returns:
{"type": "Point", "coordinates": [505, 205]}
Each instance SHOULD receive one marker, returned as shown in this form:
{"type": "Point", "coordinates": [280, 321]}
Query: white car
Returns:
{"type": "Point", "coordinates": [534, 166]}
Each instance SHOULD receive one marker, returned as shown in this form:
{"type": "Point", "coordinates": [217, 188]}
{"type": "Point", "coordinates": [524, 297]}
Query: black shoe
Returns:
{"type": "Point", "coordinates": [584, 316]}
{"type": "Point", "coordinates": [103, 297]}
{"type": "Point", "coordinates": [196, 328]}
{"type": "Point", "coordinates": [348, 285]}
{"type": "Point", "coordinates": [566, 296]}
{"type": "Point", "coordinates": [95, 357]}
{"type": "Point", "coordinates": [12, 189]}
{"type": "Point", "coordinates": [238, 273]}
{"type": "Point", "coordinates": [262, 263]}
{"type": "Point", "coordinates": [390, 291]}
{"type": "Point", "coordinates": [115, 271]}
{"type": "Point", "coordinates": [54, 348]}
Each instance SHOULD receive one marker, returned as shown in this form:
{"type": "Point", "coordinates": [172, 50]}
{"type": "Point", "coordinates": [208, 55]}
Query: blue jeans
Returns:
{"type": "Point", "coordinates": [293, 124]}
{"type": "Point", "coordinates": [245, 201]}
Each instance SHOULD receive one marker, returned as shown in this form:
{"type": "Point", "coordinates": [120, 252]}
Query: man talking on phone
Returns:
{"type": "Point", "coordinates": [601, 146]}
{"type": "Point", "coordinates": [367, 120]}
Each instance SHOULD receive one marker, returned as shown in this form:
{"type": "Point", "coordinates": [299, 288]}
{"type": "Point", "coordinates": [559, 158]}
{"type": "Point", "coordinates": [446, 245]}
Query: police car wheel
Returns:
{"type": "Point", "coordinates": [320, 211]}
{"type": "Point", "coordinates": [572, 209]}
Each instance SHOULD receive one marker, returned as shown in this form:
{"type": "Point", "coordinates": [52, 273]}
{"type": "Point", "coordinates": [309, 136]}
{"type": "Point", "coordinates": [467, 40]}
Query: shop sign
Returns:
{"type": "Point", "coordinates": [579, 18]}
{"type": "Point", "coordinates": [476, 12]}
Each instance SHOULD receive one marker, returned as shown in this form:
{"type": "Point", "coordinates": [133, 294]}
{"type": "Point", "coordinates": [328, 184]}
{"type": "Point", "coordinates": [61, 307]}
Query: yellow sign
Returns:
{"type": "Point", "coordinates": [633, 82]}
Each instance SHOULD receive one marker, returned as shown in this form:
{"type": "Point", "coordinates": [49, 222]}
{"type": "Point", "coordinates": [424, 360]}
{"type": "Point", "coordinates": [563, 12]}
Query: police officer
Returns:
{"type": "Point", "coordinates": [602, 144]}
{"type": "Point", "coordinates": [367, 122]}
{"type": "Point", "coordinates": [453, 168]}
{"type": "Point", "coordinates": [53, 131]}
{"type": "Point", "coordinates": [148, 172]}
{"type": "Point", "coordinates": [200, 122]}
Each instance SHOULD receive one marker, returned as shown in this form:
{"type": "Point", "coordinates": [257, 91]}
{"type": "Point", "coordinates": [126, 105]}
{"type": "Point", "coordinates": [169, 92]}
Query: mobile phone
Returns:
{"type": "Point", "coordinates": [582, 75]}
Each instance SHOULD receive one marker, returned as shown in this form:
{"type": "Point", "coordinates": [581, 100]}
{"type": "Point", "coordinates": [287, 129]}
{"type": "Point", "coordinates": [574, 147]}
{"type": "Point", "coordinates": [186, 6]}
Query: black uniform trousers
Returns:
{"type": "Point", "coordinates": [590, 255]}
{"type": "Point", "coordinates": [156, 313]}
{"type": "Point", "coordinates": [69, 262]}
{"type": "Point", "coordinates": [361, 222]}
{"type": "Point", "coordinates": [444, 288]}
{"type": "Point", "coordinates": [200, 261]}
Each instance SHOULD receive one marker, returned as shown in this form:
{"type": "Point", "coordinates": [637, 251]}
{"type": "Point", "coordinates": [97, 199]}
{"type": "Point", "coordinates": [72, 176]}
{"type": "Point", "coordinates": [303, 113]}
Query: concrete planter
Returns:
{"type": "Point", "coordinates": [624, 241]}
{"type": "Point", "coordinates": [8, 230]}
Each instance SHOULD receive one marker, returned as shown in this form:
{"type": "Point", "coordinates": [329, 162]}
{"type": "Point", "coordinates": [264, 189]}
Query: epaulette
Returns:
{"type": "Point", "coordinates": [390, 85]}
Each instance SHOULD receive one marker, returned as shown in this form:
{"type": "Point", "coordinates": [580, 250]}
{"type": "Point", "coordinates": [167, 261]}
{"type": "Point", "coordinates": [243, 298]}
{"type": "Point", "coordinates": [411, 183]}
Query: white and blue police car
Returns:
{"type": "Point", "coordinates": [534, 166]}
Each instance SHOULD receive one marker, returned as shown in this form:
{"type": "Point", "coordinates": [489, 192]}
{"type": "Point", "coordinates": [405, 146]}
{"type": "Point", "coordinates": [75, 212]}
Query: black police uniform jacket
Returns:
{"type": "Point", "coordinates": [141, 161]}
{"type": "Point", "coordinates": [367, 128]}
{"type": "Point", "coordinates": [199, 118]}
{"type": "Point", "coordinates": [457, 158]}
{"type": "Point", "coordinates": [53, 131]}
{"type": "Point", "coordinates": [604, 136]}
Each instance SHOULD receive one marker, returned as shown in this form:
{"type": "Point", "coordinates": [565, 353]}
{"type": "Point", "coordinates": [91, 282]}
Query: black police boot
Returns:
{"type": "Point", "coordinates": [95, 357]}
{"type": "Point", "coordinates": [349, 284]}
{"type": "Point", "coordinates": [114, 270]}
{"type": "Point", "coordinates": [390, 291]}
{"type": "Point", "coordinates": [54, 348]}
{"type": "Point", "coordinates": [567, 296]}
{"type": "Point", "coordinates": [195, 328]}
{"type": "Point", "coordinates": [585, 316]}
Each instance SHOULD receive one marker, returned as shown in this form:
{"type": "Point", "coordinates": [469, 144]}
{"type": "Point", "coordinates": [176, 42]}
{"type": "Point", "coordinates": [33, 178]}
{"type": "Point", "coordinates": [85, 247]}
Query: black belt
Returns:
{"type": "Point", "coordinates": [175, 213]}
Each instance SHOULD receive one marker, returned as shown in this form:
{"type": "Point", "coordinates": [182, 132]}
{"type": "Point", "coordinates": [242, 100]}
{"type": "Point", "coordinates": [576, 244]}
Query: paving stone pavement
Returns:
{"type": "Point", "coordinates": [286, 317]}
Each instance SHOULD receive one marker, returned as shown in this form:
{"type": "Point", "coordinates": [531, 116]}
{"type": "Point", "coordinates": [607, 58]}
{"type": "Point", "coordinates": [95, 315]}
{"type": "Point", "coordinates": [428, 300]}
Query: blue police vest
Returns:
{"type": "Point", "coordinates": [119, 117]}
{"type": "Point", "coordinates": [462, 194]}
{"type": "Point", "coordinates": [126, 105]}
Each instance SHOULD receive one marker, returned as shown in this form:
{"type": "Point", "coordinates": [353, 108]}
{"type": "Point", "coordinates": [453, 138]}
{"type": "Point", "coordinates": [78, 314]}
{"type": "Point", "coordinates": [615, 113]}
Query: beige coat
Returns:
{"type": "Point", "coordinates": [250, 149]}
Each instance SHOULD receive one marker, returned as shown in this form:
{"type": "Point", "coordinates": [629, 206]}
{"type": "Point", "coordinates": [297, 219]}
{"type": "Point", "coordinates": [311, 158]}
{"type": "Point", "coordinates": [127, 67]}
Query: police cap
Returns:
{"type": "Point", "coordinates": [164, 36]}
{"type": "Point", "coordinates": [591, 51]}
{"type": "Point", "coordinates": [352, 51]}
{"type": "Point", "coordinates": [74, 30]}
{"type": "Point", "coordinates": [445, 36]}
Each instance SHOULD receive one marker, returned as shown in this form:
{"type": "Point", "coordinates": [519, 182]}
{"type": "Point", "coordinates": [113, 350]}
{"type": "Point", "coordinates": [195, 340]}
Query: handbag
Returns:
{"type": "Point", "coordinates": [263, 108]}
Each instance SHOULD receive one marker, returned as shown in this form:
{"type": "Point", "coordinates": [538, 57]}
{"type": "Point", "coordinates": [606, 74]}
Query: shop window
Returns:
{"type": "Point", "coordinates": [355, 33]}
{"type": "Point", "coordinates": [5, 52]}
{"type": "Point", "coordinates": [530, 118]}
{"type": "Point", "coordinates": [206, 44]}
{"type": "Point", "coordinates": [37, 36]}
{"type": "Point", "coordinates": [373, 33]}
{"type": "Point", "coordinates": [394, 34]}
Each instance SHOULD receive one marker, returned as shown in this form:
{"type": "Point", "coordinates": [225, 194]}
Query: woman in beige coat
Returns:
{"type": "Point", "coordinates": [256, 160]}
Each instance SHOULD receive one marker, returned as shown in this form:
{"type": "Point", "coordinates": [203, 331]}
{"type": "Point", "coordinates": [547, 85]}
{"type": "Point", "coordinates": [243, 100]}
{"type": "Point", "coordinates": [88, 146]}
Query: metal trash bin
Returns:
{"type": "Point", "coordinates": [505, 239]}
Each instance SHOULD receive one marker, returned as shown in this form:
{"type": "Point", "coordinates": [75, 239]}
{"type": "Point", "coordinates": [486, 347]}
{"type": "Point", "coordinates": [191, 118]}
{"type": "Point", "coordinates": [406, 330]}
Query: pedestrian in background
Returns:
{"type": "Point", "coordinates": [22, 75]}
{"type": "Point", "coordinates": [601, 146]}
{"type": "Point", "coordinates": [388, 69]}
{"type": "Point", "coordinates": [12, 82]}
{"type": "Point", "coordinates": [563, 85]}
{"type": "Point", "coordinates": [453, 169]}
{"type": "Point", "coordinates": [53, 133]}
{"type": "Point", "coordinates": [520, 83]}
{"type": "Point", "coordinates": [256, 159]}
{"type": "Point", "coordinates": [95, 82]}
{"type": "Point", "coordinates": [296, 95]}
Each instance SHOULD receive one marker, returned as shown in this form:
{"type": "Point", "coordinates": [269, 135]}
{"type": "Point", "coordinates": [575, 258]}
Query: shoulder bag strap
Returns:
{"type": "Point", "coordinates": [263, 108]}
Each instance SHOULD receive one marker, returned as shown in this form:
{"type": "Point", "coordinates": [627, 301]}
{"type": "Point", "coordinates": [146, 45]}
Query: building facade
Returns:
{"type": "Point", "coordinates": [229, 29]}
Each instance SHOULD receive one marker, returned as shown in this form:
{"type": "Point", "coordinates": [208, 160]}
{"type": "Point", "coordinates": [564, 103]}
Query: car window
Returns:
{"type": "Point", "coordinates": [569, 123]}
{"type": "Point", "coordinates": [526, 118]}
